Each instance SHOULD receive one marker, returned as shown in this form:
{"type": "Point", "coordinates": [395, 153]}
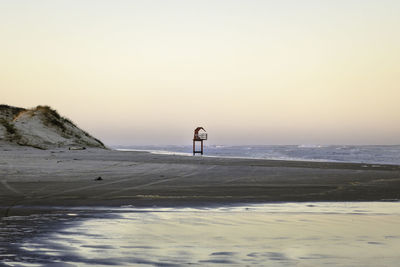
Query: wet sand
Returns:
{"type": "Point", "coordinates": [278, 234]}
{"type": "Point", "coordinates": [31, 179]}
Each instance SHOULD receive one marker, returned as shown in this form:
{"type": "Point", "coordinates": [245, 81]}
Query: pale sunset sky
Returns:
{"type": "Point", "coordinates": [249, 72]}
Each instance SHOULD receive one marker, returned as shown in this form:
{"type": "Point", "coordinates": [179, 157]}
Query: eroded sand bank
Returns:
{"type": "Point", "coordinates": [31, 178]}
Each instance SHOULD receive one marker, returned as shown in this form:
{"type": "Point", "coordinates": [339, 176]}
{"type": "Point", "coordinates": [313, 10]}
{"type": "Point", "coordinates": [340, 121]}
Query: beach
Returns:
{"type": "Point", "coordinates": [101, 207]}
{"type": "Point", "coordinates": [34, 179]}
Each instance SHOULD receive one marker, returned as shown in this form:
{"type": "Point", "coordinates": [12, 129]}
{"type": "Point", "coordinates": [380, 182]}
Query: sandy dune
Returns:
{"type": "Point", "coordinates": [41, 127]}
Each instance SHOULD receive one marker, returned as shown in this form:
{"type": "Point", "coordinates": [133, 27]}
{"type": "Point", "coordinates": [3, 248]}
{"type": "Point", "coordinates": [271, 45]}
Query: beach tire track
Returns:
{"type": "Point", "coordinates": [151, 183]}
{"type": "Point", "coordinates": [102, 184]}
{"type": "Point", "coordinates": [85, 188]}
{"type": "Point", "coordinates": [12, 189]}
{"type": "Point", "coordinates": [140, 186]}
{"type": "Point", "coordinates": [10, 170]}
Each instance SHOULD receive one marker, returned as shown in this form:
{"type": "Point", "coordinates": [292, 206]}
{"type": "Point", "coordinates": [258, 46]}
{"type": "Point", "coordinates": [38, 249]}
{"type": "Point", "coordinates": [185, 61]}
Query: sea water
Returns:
{"type": "Point", "coordinates": [355, 154]}
{"type": "Point", "coordinates": [280, 234]}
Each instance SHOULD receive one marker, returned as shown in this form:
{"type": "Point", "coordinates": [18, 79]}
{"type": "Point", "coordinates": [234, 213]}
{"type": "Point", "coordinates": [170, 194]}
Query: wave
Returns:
{"type": "Point", "coordinates": [318, 153]}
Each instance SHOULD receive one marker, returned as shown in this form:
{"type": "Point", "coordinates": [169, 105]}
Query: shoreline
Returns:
{"type": "Point", "coordinates": [186, 154]}
{"type": "Point", "coordinates": [211, 154]}
{"type": "Point", "coordinates": [32, 178]}
{"type": "Point", "coordinates": [161, 206]}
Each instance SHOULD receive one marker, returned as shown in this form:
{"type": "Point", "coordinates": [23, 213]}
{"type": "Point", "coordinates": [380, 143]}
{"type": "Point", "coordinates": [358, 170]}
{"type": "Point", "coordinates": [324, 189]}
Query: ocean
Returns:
{"type": "Point", "coordinates": [344, 153]}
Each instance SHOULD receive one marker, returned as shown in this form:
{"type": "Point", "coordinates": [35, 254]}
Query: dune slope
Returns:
{"type": "Point", "coordinates": [41, 127]}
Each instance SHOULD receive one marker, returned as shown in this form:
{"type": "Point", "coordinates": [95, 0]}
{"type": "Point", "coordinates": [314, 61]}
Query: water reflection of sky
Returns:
{"type": "Point", "coordinates": [309, 234]}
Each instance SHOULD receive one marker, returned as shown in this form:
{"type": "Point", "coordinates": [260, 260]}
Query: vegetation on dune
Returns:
{"type": "Point", "coordinates": [53, 118]}
{"type": "Point", "coordinates": [8, 112]}
{"type": "Point", "coordinates": [12, 132]}
{"type": "Point", "coordinates": [9, 126]}
{"type": "Point", "coordinates": [15, 110]}
{"type": "Point", "coordinates": [101, 143]}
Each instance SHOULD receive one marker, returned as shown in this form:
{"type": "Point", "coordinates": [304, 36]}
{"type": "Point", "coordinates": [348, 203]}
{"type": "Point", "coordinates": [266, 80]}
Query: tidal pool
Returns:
{"type": "Point", "coordinates": [282, 234]}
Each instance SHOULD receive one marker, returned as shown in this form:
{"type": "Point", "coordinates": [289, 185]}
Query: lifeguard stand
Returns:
{"type": "Point", "coordinates": [199, 136]}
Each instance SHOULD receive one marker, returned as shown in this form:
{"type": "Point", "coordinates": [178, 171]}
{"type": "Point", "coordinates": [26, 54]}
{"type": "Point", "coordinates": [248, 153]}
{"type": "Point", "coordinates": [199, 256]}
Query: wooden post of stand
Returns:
{"type": "Point", "coordinates": [201, 147]}
{"type": "Point", "coordinates": [199, 137]}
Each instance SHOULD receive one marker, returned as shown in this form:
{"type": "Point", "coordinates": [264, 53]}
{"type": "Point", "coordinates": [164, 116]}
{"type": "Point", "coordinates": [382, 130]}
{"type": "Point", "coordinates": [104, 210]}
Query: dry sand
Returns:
{"type": "Point", "coordinates": [32, 178]}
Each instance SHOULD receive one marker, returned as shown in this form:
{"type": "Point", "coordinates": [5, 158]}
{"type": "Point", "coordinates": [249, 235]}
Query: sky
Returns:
{"type": "Point", "coordinates": [250, 72]}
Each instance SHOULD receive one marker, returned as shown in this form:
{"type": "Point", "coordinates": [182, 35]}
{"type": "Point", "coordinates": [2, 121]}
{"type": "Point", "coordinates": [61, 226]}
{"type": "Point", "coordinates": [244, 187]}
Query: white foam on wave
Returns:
{"type": "Point", "coordinates": [284, 158]}
{"type": "Point", "coordinates": [316, 153]}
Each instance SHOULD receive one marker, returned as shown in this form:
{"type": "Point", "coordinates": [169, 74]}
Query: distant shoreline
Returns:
{"type": "Point", "coordinates": [165, 152]}
{"type": "Point", "coordinates": [35, 179]}
{"type": "Point", "coordinates": [274, 152]}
